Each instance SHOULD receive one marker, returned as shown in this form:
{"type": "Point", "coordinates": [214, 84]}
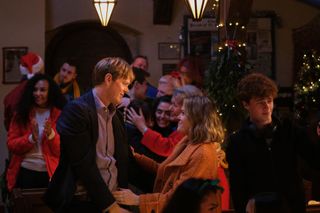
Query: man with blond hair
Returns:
{"type": "Point", "coordinates": [94, 151]}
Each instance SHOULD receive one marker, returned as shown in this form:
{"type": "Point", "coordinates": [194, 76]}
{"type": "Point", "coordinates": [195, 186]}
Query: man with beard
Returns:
{"type": "Point", "coordinates": [66, 79]}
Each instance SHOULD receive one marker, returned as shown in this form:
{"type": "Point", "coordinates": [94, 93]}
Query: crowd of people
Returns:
{"type": "Point", "coordinates": [126, 146]}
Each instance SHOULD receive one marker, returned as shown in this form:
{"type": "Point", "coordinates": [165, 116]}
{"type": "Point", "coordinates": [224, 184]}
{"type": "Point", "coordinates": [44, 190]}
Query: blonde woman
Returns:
{"type": "Point", "coordinates": [195, 156]}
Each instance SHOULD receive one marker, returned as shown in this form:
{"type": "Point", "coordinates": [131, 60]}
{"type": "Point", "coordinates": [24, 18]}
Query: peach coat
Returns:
{"type": "Point", "coordinates": [186, 161]}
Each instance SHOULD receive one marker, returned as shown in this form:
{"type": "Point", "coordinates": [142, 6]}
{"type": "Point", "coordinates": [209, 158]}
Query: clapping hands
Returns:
{"type": "Point", "coordinates": [47, 128]}
{"type": "Point", "coordinates": [34, 130]}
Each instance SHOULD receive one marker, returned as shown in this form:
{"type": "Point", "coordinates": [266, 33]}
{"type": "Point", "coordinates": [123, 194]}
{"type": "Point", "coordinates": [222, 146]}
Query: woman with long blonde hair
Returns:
{"type": "Point", "coordinates": [195, 156]}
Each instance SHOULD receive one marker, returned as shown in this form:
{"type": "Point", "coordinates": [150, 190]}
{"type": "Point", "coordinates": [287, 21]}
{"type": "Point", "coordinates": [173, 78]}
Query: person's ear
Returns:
{"type": "Point", "coordinates": [149, 123]}
{"type": "Point", "coordinates": [74, 76]}
{"type": "Point", "coordinates": [108, 78]}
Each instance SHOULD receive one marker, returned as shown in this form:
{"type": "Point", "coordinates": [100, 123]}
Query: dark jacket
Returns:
{"type": "Point", "coordinates": [257, 166]}
{"type": "Point", "coordinates": [78, 129]}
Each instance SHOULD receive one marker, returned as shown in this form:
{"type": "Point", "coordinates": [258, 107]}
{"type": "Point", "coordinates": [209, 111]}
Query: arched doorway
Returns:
{"type": "Point", "coordinates": [87, 43]}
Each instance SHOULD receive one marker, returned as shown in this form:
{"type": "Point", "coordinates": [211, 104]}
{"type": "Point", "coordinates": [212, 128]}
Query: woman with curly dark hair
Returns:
{"type": "Point", "coordinates": [32, 137]}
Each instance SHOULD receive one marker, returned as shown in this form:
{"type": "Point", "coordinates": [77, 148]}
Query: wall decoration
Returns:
{"type": "Point", "coordinates": [11, 64]}
{"type": "Point", "coordinates": [169, 50]}
{"type": "Point", "coordinates": [201, 37]}
{"type": "Point", "coordinates": [260, 44]}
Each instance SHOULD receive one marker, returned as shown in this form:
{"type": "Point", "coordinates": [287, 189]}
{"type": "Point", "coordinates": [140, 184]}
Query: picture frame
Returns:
{"type": "Point", "coordinates": [11, 64]}
{"type": "Point", "coordinates": [260, 42]}
{"type": "Point", "coordinates": [201, 38]}
{"type": "Point", "coordinates": [169, 50]}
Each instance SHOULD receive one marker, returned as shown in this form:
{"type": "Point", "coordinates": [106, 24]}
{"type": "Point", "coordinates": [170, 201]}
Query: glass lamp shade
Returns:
{"type": "Point", "coordinates": [104, 9]}
{"type": "Point", "coordinates": [197, 8]}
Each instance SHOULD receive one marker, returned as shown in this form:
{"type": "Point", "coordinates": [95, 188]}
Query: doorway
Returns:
{"type": "Point", "coordinates": [86, 43]}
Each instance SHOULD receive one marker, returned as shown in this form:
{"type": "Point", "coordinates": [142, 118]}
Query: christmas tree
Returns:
{"type": "Point", "coordinates": [307, 86]}
{"type": "Point", "coordinates": [222, 78]}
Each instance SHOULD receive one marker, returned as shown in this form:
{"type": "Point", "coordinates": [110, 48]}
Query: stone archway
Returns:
{"type": "Point", "coordinates": [87, 43]}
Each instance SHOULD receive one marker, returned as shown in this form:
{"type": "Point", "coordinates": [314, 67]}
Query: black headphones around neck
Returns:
{"type": "Point", "coordinates": [266, 132]}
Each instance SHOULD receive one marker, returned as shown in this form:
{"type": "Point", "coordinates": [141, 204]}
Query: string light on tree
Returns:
{"type": "Point", "coordinates": [307, 86]}
{"type": "Point", "coordinates": [215, 5]}
{"type": "Point", "coordinates": [224, 73]}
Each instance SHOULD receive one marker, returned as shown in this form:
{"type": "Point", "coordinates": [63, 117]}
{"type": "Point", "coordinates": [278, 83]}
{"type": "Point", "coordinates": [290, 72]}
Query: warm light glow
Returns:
{"type": "Point", "coordinates": [197, 8]}
{"type": "Point", "coordinates": [104, 9]}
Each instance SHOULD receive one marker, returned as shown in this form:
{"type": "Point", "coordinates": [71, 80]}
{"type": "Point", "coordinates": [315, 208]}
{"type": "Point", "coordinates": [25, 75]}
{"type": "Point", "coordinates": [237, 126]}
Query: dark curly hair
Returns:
{"type": "Point", "coordinates": [27, 102]}
{"type": "Point", "coordinates": [189, 195]}
{"type": "Point", "coordinates": [256, 85]}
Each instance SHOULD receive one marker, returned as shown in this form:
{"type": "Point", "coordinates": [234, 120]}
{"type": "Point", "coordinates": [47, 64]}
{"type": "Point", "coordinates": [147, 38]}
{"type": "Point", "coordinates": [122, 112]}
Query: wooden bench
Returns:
{"type": "Point", "coordinates": [310, 209]}
{"type": "Point", "coordinates": [313, 209]}
{"type": "Point", "coordinates": [2, 208]}
{"type": "Point", "coordinates": [28, 201]}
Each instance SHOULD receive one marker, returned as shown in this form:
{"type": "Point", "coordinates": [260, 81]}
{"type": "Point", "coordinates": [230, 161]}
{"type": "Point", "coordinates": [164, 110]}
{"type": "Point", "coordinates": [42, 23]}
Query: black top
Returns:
{"type": "Point", "coordinates": [267, 161]}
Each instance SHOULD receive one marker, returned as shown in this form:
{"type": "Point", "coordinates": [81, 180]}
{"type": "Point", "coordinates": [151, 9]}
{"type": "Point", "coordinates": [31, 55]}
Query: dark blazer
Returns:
{"type": "Point", "coordinates": [257, 166]}
{"type": "Point", "coordinates": [78, 129]}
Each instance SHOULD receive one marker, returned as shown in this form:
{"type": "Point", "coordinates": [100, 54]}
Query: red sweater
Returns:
{"type": "Point", "coordinates": [19, 145]}
{"type": "Point", "coordinates": [161, 145]}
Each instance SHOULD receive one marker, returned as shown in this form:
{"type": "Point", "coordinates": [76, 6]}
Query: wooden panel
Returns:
{"type": "Point", "coordinates": [29, 201]}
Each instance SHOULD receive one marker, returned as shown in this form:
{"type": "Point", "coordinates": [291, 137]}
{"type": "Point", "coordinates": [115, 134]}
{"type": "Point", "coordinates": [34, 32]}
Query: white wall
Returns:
{"type": "Point", "coordinates": [22, 23]}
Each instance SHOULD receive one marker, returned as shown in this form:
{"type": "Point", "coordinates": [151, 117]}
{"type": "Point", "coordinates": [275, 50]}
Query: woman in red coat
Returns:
{"type": "Point", "coordinates": [33, 141]}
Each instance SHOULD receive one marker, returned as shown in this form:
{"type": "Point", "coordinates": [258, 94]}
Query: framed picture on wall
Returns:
{"type": "Point", "coordinates": [11, 64]}
{"type": "Point", "coordinates": [260, 46]}
{"type": "Point", "coordinates": [169, 50]}
{"type": "Point", "coordinates": [201, 38]}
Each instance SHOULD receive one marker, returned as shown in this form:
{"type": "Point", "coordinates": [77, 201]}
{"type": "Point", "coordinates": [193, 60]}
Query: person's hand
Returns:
{"type": "Point", "coordinates": [34, 130]}
{"type": "Point", "coordinates": [117, 209]}
{"type": "Point", "coordinates": [47, 128]}
{"type": "Point", "coordinates": [221, 155]}
{"type": "Point", "coordinates": [137, 119]}
{"type": "Point", "coordinates": [126, 197]}
{"type": "Point", "coordinates": [132, 150]}
{"type": "Point", "coordinates": [222, 158]}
